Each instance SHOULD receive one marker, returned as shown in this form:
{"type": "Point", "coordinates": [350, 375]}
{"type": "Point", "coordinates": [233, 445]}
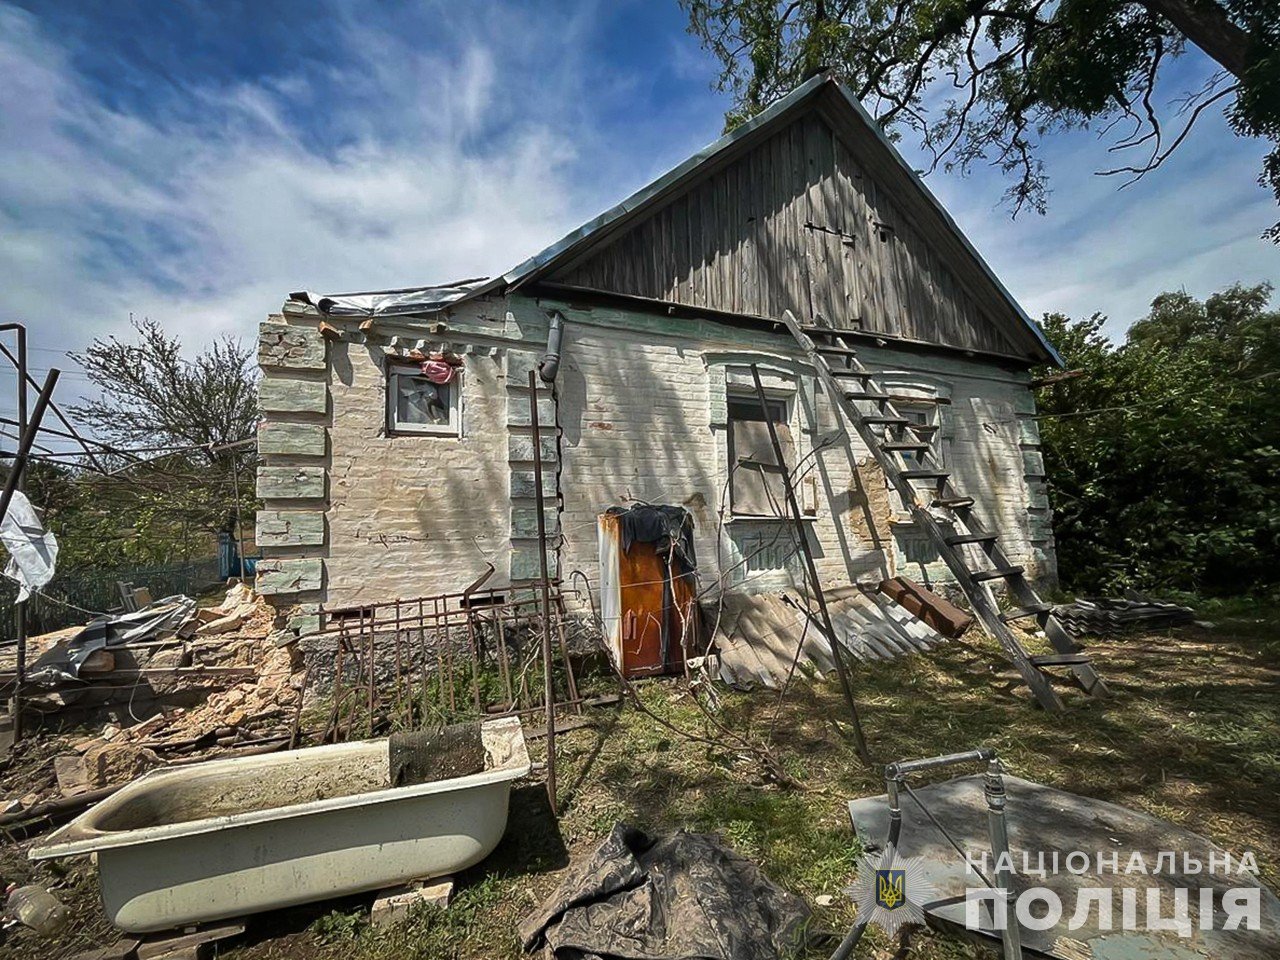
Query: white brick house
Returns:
{"type": "Point", "coordinates": [371, 494]}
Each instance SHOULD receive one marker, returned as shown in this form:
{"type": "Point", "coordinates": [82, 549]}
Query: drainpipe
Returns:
{"type": "Point", "coordinates": [549, 365]}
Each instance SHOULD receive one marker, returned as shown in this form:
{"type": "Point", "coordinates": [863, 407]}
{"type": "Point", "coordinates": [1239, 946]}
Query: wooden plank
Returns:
{"type": "Point", "coordinates": [936, 611]}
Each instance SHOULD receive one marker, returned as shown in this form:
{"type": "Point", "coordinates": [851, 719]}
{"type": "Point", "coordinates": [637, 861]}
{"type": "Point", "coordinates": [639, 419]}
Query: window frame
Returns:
{"type": "Point", "coordinates": [783, 404]}
{"type": "Point", "coordinates": [397, 368]}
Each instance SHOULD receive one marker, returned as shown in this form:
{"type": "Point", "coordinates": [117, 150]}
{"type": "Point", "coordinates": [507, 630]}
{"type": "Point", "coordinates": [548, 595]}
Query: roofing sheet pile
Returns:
{"type": "Point", "coordinates": [1099, 615]}
{"type": "Point", "coordinates": [758, 635]}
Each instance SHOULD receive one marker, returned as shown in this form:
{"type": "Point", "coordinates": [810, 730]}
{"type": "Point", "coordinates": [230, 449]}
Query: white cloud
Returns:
{"type": "Point", "coordinates": [437, 165]}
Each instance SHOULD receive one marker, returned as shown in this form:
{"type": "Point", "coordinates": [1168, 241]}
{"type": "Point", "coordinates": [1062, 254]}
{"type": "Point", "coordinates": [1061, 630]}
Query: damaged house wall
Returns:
{"type": "Point", "coordinates": [667, 300]}
{"type": "Point", "coordinates": [356, 514]}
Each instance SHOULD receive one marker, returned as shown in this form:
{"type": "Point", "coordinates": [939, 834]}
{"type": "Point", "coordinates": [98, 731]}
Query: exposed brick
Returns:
{"type": "Point", "coordinates": [282, 345]}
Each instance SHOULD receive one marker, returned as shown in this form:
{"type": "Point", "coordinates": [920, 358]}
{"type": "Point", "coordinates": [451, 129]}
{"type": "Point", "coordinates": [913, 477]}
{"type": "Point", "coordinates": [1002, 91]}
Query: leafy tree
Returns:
{"type": "Point", "coordinates": [1011, 71]}
{"type": "Point", "coordinates": [177, 478]}
{"type": "Point", "coordinates": [1163, 457]}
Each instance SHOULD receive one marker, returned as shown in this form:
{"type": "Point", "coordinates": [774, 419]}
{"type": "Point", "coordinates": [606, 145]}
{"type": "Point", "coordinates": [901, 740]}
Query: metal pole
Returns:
{"type": "Point", "coordinates": [993, 788]}
{"type": "Point", "coordinates": [12, 484]}
{"type": "Point", "coordinates": [549, 687]}
{"type": "Point", "coordinates": [846, 688]}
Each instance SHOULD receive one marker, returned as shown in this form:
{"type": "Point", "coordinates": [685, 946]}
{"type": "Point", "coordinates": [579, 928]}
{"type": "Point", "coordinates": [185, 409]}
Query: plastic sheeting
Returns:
{"type": "Point", "coordinates": [33, 552]}
{"type": "Point", "coordinates": [677, 897]}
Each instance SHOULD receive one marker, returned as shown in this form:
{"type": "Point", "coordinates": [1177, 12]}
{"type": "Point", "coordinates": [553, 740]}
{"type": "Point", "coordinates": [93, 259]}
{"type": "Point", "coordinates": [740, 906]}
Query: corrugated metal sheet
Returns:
{"type": "Point", "coordinates": [758, 635]}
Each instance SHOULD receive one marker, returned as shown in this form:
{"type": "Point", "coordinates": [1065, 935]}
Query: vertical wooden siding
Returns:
{"type": "Point", "coordinates": [796, 224]}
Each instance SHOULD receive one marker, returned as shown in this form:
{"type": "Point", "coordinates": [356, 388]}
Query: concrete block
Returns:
{"type": "Point", "coordinates": [293, 439]}
{"type": "Point", "coordinates": [290, 528]}
{"type": "Point", "coordinates": [288, 347]}
{"type": "Point", "coordinates": [290, 575]}
{"type": "Point", "coordinates": [1032, 463]}
{"type": "Point", "coordinates": [518, 410]}
{"type": "Point", "coordinates": [520, 449]}
{"type": "Point", "coordinates": [524, 520]}
{"type": "Point", "coordinates": [280, 395]}
{"type": "Point", "coordinates": [523, 488]}
{"type": "Point", "coordinates": [1037, 496]}
{"type": "Point", "coordinates": [518, 366]}
{"type": "Point", "coordinates": [394, 905]}
{"type": "Point", "coordinates": [524, 560]}
{"type": "Point", "coordinates": [280, 483]}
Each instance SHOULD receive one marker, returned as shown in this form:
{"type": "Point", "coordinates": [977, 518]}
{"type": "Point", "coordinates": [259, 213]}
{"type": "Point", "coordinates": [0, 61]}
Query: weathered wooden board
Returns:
{"type": "Point", "coordinates": [797, 223]}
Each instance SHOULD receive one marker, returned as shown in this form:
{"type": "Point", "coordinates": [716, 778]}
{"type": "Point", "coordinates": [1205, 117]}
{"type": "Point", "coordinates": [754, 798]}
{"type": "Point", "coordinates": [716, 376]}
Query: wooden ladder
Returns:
{"type": "Point", "coordinates": [891, 438]}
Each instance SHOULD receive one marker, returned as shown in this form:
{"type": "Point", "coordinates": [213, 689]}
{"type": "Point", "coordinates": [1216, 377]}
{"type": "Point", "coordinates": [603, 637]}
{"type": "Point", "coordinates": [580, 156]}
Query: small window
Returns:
{"type": "Point", "coordinates": [416, 405]}
{"type": "Point", "coordinates": [756, 487]}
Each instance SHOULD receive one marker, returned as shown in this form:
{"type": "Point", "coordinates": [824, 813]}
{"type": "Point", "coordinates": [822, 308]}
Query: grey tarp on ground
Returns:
{"type": "Point", "coordinates": [685, 895]}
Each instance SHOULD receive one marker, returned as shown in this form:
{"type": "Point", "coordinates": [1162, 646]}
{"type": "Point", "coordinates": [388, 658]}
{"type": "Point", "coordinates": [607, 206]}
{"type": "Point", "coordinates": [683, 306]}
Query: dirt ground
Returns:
{"type": "Point", "coordinates": [1192, 734]}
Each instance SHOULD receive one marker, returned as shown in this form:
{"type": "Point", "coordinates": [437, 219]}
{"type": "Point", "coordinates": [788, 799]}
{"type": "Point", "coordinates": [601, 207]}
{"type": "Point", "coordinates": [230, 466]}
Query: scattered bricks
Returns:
{"type": "Point", "coordinates": [72, 773]}
{"type": "Point", "coordinates": [292, 575]}
{"type": "Point", "coordinates": [293, 348]}
{"type": "Point", "coordinates": [290, 528]}
{"type": "Point", "coordinates": [293, 396]}
{"type": "Point", "coordinates": [293, 439]}
{"type": "Point", "coordinates": [112, 763]}
{"type": "Point", "coordinates": [291, 483]}
{"type": "Point", "coordinates": [394, 905]}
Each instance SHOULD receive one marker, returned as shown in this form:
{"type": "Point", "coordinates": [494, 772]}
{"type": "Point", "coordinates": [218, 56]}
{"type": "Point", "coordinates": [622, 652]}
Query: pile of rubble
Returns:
{"type": "Point", "coordinates": [206, 682]}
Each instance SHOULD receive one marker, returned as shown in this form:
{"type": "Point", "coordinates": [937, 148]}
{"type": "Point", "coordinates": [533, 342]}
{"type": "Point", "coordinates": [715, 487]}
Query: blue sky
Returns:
{"type": "Point", "coordinates": [194, 161]}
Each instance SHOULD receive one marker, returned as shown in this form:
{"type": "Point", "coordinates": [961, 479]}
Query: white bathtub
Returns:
{"type": "Point", "coordinates": [232, 837]}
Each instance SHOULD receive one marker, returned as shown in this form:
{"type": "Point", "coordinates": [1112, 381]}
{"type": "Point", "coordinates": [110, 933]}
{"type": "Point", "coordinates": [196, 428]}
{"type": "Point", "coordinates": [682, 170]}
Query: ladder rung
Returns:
{"type": "Point", "coordinates": [924, 474]}
{"type": "Point", "coordinates": [860, 374]}
{"type": "Point", "coordinates": [881, 397]}
{"type": "Point", "coordinates": [1059, 660]}
{"type": "Point", "coordinates": [1020, 613]}
{"type": "Point", "coordinates": [1004, 573]}
{"type": "Point", "coordinates": [837, 351]}
{"type": "Point", "coordinates": [905, 445]}
{"type": "Point", "coordinates": [886, 420]}
{"type": "Point", "coordinates": [956, 539]}
{"type": "Point", "coordinates": [953, 503]}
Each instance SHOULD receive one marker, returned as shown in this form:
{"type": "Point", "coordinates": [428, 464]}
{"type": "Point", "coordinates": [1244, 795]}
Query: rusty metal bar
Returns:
{"type": "Point", "coordinates": [549, 684]}
{"type": "Point", "coordinates": [846, 687]}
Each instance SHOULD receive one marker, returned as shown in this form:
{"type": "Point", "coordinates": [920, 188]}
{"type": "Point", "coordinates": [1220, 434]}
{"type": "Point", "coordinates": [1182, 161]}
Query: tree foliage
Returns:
{"type": "Point", "coordinates": [1001, 74]}
{"type": "Point", "coordinates": [1163, 457]}
{"type": "Point", "coordinates": [172, 482]}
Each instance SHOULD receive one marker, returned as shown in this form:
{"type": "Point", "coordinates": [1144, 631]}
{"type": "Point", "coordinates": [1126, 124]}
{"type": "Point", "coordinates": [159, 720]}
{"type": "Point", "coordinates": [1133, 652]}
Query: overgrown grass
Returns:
{"type": "Point", "coordinates": [1191, 733]}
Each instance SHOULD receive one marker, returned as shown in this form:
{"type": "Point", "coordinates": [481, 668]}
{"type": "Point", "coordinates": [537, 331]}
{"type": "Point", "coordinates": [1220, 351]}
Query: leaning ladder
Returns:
{"type": "Point", "coordinates": [891, 438]}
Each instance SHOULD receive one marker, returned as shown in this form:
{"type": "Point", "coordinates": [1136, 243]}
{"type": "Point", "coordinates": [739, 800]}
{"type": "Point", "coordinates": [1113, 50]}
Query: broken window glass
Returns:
{"type": "Point", "coordinates": [417, 405]}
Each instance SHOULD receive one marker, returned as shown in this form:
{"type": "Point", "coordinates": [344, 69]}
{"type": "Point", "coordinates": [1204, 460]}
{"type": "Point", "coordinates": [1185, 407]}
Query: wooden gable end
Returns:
{"type": "Point", "coordinates": [798, 222]}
